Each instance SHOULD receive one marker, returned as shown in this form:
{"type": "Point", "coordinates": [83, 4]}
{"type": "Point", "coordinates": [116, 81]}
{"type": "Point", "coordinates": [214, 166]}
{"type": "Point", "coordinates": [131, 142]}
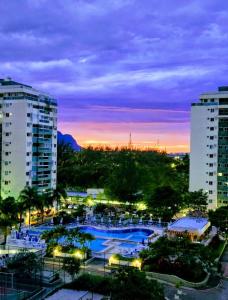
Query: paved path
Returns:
{"type": "Point", "coordinates": [220, 293]}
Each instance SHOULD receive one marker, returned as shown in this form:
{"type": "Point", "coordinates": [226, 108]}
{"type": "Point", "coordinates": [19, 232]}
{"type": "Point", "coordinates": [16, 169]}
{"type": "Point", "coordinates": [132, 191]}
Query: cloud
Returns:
{"type": "Point", "coordinates": [117, 60]}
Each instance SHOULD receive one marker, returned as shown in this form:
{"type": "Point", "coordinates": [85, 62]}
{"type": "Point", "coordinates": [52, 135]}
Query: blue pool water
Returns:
{"type": "Point", "coordinates": [127, 245]}
{"type": "Point", "coordinates": [95, 245]}
{"type": "Point", "coordinates": [101, 235]}
{"type": "Point", "coordinates": [131, 234]}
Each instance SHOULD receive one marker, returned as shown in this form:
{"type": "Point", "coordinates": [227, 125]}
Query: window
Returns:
{"type": "Point", "coordinates": [210, 192]}
{"type": "Point", "coordinates": [210, 182]}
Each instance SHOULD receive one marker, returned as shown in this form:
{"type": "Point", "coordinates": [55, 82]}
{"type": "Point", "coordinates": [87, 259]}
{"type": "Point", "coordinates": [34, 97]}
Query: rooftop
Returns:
{"type": "Point", "coordinates": [189, 223]}
{"type": "Point", "coordinates": [9, 81]}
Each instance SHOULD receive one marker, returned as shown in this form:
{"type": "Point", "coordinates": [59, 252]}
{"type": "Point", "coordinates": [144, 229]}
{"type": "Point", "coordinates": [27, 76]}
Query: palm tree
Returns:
{"type": "Point", "coordinates": [8, 214]}
{"type": "Point", "coordinates": [43, 201]}
{"type": "Point", "coordinates": [59, 193]}
{"type": "Point", "coordinates": [21, 208]}
{"type": "Point", "coordinates": [29, 195]}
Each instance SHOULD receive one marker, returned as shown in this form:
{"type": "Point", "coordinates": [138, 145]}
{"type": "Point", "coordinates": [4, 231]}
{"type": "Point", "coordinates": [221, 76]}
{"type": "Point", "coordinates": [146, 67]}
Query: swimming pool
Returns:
{"type": "Point", "coordinates": [103, 235]}
{"type": "Point", "coordinates": [130, 234]}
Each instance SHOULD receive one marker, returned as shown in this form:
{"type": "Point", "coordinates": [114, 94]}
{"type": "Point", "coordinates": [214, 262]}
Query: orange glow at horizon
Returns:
{"type": "Point", "coordinates": [167, 137]}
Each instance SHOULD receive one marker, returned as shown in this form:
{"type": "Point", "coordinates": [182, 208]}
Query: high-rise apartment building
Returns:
{"type": "Point", "coordinates": [28, 138]}
{"type": "Point", "coordinates": [209, 147]}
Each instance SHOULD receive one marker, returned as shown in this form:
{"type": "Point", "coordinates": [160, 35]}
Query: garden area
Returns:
{"type": "Point", "coordinates": [127, 284]}
{"type": "Point", "coordinates": [180, 257]}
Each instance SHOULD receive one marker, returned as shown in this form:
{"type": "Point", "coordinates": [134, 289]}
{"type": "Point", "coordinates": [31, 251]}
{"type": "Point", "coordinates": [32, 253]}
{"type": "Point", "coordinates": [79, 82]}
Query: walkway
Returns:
{"type": "Point", "coordinates": [220, 293]}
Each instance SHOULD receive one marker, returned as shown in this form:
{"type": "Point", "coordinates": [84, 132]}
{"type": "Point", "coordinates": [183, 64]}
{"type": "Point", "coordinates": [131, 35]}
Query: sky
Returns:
{"type": "Point", "coordinates": [118, 66]}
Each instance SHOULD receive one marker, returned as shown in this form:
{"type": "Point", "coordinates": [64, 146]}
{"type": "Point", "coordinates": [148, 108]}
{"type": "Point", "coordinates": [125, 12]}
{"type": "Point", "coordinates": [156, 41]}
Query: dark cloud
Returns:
{"type": "Point", "coordinates": [132, 54]}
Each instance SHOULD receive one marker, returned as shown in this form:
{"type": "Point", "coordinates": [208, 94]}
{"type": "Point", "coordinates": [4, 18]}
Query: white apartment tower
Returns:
{"type": "Point", "coordinates": [209, 147]}
{"type": "Point", "coordinates": [28, 138]}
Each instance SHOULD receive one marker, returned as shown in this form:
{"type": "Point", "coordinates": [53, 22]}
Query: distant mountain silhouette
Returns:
{"type": "Point", "coordinates": [68, 139]}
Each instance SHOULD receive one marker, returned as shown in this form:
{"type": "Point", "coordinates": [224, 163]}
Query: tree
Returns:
{"type": "Point", "coordinates": [25, 263]}
{"type": "Point", "coordinates": [8, 214]}
{"type": "Point", "coordinates": [59, 193]}
{"type": "Point", "coordinates": [219, 218]}
{"type": "Point", "coordinates": [126, 179]}
{"type": "Point", "coordinates": [164, 202]}
{"type": "Point", "coordinates": [71, 265]}
{"type": "Point", "coordinates": [132, 284]}
{"type": "Point", "coordinates": [29, 196]}
{"type": "Point", "coordinates": [21, 208]}
{"type": "Point", "coordinates": [54, 234]}
{"type": "Point", "coordinates": [196, 200]}
{"type": "Point", "coordinates": [43, 201]}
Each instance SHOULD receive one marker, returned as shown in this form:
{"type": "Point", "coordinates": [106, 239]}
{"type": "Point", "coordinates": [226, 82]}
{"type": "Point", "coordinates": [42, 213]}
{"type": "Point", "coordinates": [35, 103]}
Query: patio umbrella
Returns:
{"type": "Point", "coordinates": [131, 221]}
{"type": "Point", "coordinates": [120, 221]}
{"type": "Point", "coordinates": [52, 221]}
{"type": "Point", "coordinates": [140, 221]}
{"type": "Point", "coordinates": [78, 219]}
{"type": "Point", "coordinates": [109, 220]}
{"type": "Point", "coordinates": [102, 220]}
{"type": "Point", "coordinates": [61, 221]}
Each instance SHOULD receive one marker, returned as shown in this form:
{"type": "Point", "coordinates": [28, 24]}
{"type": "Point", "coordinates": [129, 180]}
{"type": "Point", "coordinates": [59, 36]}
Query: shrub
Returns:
{"type": "Point", "coordinates": [93, 283]}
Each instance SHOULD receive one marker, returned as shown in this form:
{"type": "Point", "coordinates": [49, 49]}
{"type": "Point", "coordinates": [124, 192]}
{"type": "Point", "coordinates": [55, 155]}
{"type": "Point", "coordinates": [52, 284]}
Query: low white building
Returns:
{"type": "Point", "coordinates": [192, 227]}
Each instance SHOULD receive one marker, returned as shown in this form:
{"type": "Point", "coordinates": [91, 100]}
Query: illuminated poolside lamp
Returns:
{"type": "Point", "coordinates": [112, 260]}
{"type": "Point", "coordinates": [141, 206]}
{"type": "Point", "coordinates": [90, 202]}
{"type": "Point", "coordinates": [79, 254]}
{"type": "Point", "coordinates": [137, 263]}
{"type": "Point", "coordinates": [57, 251]}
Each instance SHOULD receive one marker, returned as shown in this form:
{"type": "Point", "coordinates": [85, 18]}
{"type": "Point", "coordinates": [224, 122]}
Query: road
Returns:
{"type": "Point", "coordinates": [220, 293]}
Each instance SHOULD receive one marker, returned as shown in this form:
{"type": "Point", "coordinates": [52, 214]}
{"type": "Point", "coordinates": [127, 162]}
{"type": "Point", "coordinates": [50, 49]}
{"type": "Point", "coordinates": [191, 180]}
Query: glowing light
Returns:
{"type": "Point", "coordinates": [90, 202]}
{"type": "Point", "coordinates": [112, 260]}
{"type": "Point", "coordinates": [79, 254]}
{"type": "Point", "coordinates": [57, 251]}
{"type": "Point", "coordinates": [141, 206]}
{"type": "Point", "coordinates": [137, 263]}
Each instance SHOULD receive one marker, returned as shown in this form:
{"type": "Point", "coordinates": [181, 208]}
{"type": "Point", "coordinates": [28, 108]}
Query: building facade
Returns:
{"type": "Point", "coordinates": [28, 133]}
{"type": "Point", "coordinates": [209, 147]}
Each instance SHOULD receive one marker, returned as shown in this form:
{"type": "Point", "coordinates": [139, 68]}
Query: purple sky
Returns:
{"type": "Point", "coordinates": [118, 66]}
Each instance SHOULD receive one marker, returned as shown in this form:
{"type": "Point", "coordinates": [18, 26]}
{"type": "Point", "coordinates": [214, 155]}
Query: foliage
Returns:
{"type": "Point", "coordinates": [29, 197]}
{"type": "Point", "coordinates": [128, 284]}
{"type": "Point", "coordinates": [197, 200]}
{"type": "Point", "coordinates": [59, 193]}
{"type": "Point", "coordinates": [71, 265]}
{"type": "Point", "coordinates": [219, 218]}
{"type": "Point", "coordinates": [72, 237]}
{"type": "Point", "coordinates": [93, 283]}
{"type": "Point", "coordinates": [8, 214]}
{"type": "Point", "coordinates": [132, 284]}
{"type": "Point", "coordinates": [165, 202]}
{"type": "Point", "coordinates": [179, 257]}
{"type": "Point", "coordinates": [25, 264]}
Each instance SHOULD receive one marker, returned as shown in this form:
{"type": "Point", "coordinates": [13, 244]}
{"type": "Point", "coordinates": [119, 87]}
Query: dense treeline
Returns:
{"type": "Point", "coordinates": [125, 174]}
